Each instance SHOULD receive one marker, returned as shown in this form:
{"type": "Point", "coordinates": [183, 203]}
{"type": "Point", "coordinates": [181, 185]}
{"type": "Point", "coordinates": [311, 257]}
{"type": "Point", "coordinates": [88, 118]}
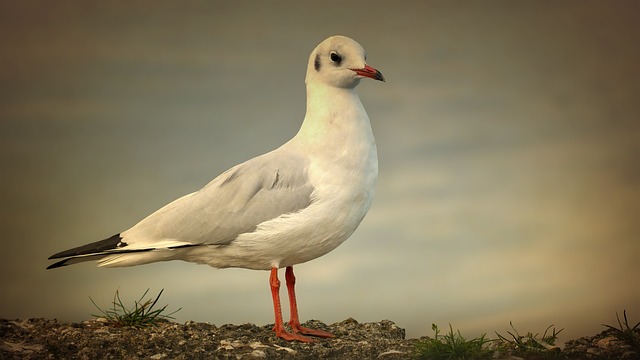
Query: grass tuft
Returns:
{"type": "Point", "coordinates": [142, 313]}
{"type": "Point", "coordinates": [530, 344]}
{"type": "Point", "coordinates": [453, 346]}
{"type": "Point", "coordinates": [626, 334]}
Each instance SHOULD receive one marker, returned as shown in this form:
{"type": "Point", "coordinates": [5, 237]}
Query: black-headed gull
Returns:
{"type": "Point", "coordinates": [277, 210]}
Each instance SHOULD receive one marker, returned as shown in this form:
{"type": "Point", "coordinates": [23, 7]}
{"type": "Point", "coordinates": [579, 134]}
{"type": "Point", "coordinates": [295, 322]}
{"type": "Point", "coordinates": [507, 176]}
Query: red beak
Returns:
{"type": "Point", "coordinates": [369, 72]}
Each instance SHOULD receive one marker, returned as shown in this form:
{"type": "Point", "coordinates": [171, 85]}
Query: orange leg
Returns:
{"type": "Point", "coordinates": [278, 327]}
{"type": "Point", "coordinates": [294, 322]}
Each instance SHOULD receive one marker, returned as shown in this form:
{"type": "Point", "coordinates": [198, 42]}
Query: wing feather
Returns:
{"type": "Point", "coordinates": [235, 202]}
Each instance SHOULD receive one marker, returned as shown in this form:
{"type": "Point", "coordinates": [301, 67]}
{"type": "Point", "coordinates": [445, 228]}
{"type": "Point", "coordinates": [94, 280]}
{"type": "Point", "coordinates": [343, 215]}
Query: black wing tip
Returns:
{"type": "Point", "coordinates": [57, 264]}
{"type": "Point", "coordinates": [98, 250]}
{"type": "Point", "coordinates": [57, 256]}
{"type": "Point", "coordinates": [111, 243]}
{"type": "Point", "coordinates": [97, 247]}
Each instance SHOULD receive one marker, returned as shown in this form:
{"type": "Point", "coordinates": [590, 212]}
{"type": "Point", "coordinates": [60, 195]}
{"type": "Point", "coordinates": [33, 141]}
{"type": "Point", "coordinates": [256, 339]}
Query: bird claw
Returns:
{"type": "Point", "coordinates": [291, 336]}
{"type": "Point", "coordinates": [297, 333]}
{"type": "Point", "coordinates": [312, 332]}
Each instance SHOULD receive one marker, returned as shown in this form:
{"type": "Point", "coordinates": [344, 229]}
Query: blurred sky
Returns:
{"type": "Point", "coordinates": [508, 135]}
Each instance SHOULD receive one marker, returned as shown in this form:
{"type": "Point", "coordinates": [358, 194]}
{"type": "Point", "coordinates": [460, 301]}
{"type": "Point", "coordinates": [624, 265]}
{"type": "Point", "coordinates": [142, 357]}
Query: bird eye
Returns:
{"type": "Point", "coordinates": [335, 57]}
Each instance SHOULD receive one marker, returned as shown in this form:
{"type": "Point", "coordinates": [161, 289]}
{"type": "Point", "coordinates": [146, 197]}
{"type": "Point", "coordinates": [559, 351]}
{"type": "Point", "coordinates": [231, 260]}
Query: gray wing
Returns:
{"type": "Point", "coordinates": [235, 202]}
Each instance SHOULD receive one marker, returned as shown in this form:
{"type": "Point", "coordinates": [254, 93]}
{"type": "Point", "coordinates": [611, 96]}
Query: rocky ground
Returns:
{"type": "Point", "coordinates": [94, 339]}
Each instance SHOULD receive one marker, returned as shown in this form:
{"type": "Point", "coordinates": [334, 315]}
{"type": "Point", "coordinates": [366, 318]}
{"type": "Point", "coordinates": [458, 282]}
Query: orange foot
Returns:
{"type": "Point", "coordinates": [306, 331]}
{"type": "Point", "coordinates": [291, 336]}
{"type": "Point", "coordinates": [297, 333]}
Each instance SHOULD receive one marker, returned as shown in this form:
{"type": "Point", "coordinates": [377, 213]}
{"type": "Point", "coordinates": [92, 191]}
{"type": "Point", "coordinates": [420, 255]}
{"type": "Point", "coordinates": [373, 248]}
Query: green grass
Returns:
{"type": "Point", "coordinates": [453, 346]}
{"type": "Point", "coordinates": [141, 314]}
{"type": "Point", "coordinates": [626, 334]}
{"type": "Point", "coordinates": [530, 344]}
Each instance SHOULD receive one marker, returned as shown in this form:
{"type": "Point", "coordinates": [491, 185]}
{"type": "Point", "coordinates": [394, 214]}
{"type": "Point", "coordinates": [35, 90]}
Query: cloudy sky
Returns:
{"type": "Point", "coordinates": [508, 135]}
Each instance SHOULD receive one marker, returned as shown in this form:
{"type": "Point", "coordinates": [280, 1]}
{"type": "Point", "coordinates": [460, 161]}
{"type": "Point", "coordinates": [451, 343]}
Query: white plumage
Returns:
{"type": "Point", "coordinates": [283, 208]}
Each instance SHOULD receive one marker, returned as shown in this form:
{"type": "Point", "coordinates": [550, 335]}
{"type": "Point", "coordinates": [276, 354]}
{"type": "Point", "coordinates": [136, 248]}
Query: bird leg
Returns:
{"type": "Point", "coordinates": [278, 327]}
{"type": "Point", "coordinates": [294, 321]}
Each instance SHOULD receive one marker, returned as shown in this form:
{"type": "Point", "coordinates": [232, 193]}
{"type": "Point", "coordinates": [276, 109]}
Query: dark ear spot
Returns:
{"type": "Point", "coordinates": [316, 62]}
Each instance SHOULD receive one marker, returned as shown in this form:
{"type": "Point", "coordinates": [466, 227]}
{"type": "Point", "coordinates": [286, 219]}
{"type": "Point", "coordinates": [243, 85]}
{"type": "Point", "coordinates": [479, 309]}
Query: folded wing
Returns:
{"type": "Point", "coordinates": [235, 202]}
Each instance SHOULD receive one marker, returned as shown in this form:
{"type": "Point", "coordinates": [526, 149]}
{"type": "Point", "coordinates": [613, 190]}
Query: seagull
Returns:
{"type": "Point", "coordinates": [283, 208]}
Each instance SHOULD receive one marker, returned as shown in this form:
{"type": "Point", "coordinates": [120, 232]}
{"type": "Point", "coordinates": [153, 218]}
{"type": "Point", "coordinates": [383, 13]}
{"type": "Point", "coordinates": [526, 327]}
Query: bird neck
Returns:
{"type": "Point", "coordinates": [335, 113]}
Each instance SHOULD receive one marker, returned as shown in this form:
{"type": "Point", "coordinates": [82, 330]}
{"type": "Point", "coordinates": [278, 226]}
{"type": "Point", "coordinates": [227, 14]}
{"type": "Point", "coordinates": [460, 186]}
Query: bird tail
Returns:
{"type": "Point", "coordinates": [75, 260]}
{"type": "Point", "coordinates": [113, 252]}
{"type": "Point", "coordinates": [93, 251]}
{"type": "Point", "coordinates": [106, 252]}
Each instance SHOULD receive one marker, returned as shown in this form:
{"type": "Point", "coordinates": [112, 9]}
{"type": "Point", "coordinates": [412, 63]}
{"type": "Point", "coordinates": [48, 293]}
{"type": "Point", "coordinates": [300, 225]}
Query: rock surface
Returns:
{"type": "Point", "coordinates": [95, 339]}
{"type": "Point", "coordinates": [601, 346]}
{"type": "Point", "coordinates": [50, 339]}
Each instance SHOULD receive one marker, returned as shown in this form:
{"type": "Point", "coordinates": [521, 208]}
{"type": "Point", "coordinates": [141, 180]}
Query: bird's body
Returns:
{"type": "Point", "coordinates": [283, 208]}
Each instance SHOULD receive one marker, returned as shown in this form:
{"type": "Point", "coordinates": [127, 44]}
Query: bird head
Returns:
{"type": "Point", "coordinates": [340, 62]}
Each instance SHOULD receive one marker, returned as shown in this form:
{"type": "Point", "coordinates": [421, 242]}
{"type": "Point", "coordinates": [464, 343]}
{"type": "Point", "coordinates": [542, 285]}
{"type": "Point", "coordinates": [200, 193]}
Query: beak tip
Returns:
{"type": "Point", "coordinates": [370, 72]}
